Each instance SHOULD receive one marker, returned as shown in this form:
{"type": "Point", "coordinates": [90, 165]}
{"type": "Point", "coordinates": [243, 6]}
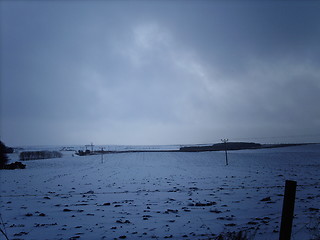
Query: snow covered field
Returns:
{"type": "Point", "coordinates": [161, 195]}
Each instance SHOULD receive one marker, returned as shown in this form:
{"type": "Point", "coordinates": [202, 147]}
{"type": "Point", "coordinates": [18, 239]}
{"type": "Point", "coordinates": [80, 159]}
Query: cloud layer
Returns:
{"type": "Point", "coordinates": [159, 72]}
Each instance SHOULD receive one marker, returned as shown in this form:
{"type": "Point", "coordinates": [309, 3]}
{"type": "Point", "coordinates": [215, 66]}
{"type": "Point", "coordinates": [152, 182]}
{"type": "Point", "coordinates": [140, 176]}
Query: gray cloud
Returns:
{"type": "Point", "coordinates": [158, 72]}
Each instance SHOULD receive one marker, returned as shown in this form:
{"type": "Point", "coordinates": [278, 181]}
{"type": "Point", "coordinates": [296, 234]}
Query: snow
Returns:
{"type": "Point", "coordinates": [160, 195]}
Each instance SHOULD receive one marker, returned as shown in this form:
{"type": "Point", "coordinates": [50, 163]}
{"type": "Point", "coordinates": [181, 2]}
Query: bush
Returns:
{"type": "Point", "coordinates": [314, 227]}
{"type": "Point", "coordinates": [33, 155]}
{"type": "Point", "coordinates": [241, 235]}
{"type": "Point", "coordinates": [15, 165]}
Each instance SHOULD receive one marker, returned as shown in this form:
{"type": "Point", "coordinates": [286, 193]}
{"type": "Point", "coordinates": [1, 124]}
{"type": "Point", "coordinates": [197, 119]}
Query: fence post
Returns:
{"type": "Point", "coordinates": [287, 210]}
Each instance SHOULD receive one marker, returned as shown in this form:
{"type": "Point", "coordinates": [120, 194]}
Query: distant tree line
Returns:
{"type": "Point", "coordinates": [33, 155]}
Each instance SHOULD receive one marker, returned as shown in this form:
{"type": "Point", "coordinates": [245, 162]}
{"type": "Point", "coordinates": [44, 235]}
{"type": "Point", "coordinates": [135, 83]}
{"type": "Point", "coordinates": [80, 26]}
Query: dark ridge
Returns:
{"type": "Point", "coordinates": [223, 146]}
{"type": "Point", "coordinates": [284, 145]}
{"type": "Point", "coordinates": [236, 146]}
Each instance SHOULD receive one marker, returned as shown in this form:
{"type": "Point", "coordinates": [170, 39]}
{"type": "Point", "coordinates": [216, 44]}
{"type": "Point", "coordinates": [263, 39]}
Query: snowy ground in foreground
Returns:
{"type": "Point", "coordinates": [160, 195]}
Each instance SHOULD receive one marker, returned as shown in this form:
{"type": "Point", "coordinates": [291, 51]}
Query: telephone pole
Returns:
{"type": "Point", "coordinates": [102, 155]}
{"type": "Point", "coordinates": [225, 148]}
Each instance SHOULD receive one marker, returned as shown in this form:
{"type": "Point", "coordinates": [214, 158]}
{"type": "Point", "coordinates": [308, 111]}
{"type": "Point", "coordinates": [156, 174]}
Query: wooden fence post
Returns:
{"type": "Point", "coordinates": [287, 210]}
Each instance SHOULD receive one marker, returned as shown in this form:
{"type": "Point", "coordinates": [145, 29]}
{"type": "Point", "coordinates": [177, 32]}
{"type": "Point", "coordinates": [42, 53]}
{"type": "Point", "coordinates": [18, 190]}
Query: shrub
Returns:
{"type": "Point", "coordinates": [15, 165]}
{"type": "Point", "coordinates": [314, 227]}
{"type": "Point", "coordinates": [241, 235]}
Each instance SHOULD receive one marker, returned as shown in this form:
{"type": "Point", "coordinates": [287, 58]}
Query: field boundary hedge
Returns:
{"type": "Point", "coordinates": [34, 155]}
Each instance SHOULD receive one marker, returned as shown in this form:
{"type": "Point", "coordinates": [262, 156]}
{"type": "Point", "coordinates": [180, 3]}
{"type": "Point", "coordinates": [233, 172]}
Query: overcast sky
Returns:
{"type": "Point", "coordinates": [159, 72]}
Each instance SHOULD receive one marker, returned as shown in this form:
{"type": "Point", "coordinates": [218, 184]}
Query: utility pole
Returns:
{"type": "Point", "coordinates": [225, 148]}
{"type": "Point", "coordinates": [102, 155]}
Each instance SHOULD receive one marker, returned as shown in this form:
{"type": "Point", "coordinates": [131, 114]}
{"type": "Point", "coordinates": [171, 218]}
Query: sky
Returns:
{"type": "Point", "coordinates": [159, 72]}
